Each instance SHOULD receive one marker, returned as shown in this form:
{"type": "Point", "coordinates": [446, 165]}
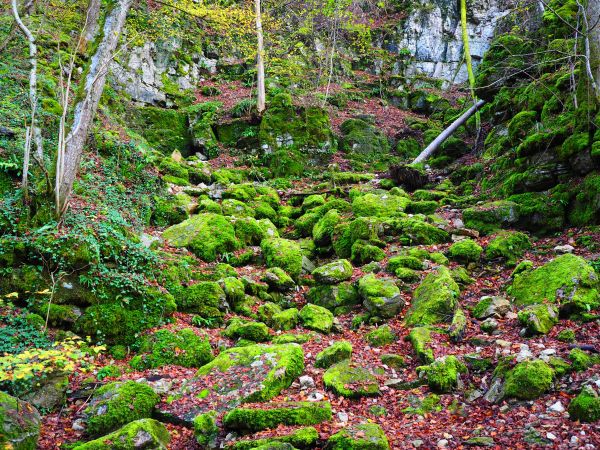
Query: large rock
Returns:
{"type": "Point", "coordinates": [363, 138]}
{"type": "Point", "coordinates": [254, 373]}
{"type": "Point", "coordinates": [20, 427]}
{"type": "Point", "coordinates": [334, 272]}
{"type": "Point", "coordinates": [567, 280]}
{"type": "Point", "coordinates": [283, 253]}
{"type": "Point", "coordinates": [146, 434]}
{"type": "Point", "coordinates": [586, 406]}
{"type": "Point", "coordinates": [337, 298]}
{"type": "Point", "coordinates": [379, 205]}
{"type": "Point", "coordinates": [51, 392]}
{"type": "Point", "coordinates": [492, 216]}
{"type": "Point", "coordinates": [381, 297]}
{"type": "Point", "coordinates": [351, 380]}
{"type": "Point", "coordinates": [538, 319]}
{"type": "Point", "coordinates": [435, 300]}
{"type": "Point", "coordinates": [364, 436]}
{"type": "Point", "coordinates": [316, 318]}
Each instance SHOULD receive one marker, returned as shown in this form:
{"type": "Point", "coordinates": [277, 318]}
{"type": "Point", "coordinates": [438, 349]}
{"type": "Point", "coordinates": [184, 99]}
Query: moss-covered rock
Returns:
{"type": "Point", "coordinates": [567, 335]}
{"type": "Point", "coordinates": [383, 205]}
{"type": "Point", "coordinates": [236, 208]}
{"type": "Point", "coordinates": [363, 252]}
{"type": "Point", "coordinates": [206, 429]}
{"type": "Point", "coordinates": [164, 129]}
{"type": "Point", "coordinates": [303, 438]}
{"type": "Point", "coordinates": [365, 436]}
{"type": "Point", "coordinates": [442, 374]}
{"type": "Point", "coordinates": [581, 361]}
{"type": "Point", "coordinates": [510, 245]}
{"type": "Point", "coordinates": [538, 319]}
{"type": "Point", "coordinates": [381, 336]}
{"type": "Point", "coordinates": [283, 253]}
{"type": "Point", "coordinates": [586, 206]}
{"type": "Point", "coordinates": [567, 280]}
{"type": "Point", "coordinates": [586, 406]}
{"type": "Point", "coordinates": [234, 290]}
{"type": "Point", "coordinates": [336, 298]}
{"type": "Point", "coordinates": [143, 433]}
{"type": "Point", "coordinates": [491, 306]}
{"type": "Point", "coordinates": [252, 331]}
{"type": "Point", "coordinates": [466, 250]}
{"type": "Point", "coordinates": [20, 421]}
{"type": "Point", "coordinates": [435, 300]}
{"type": "Point", "coordinates": [414, 231]}
{"type": "Point", "coordinates": [381, 297]}
{"type": "Point", "coordinates": [278, 279]}
{"type": "Point", "coordinates": [394, 361]}
{"type": "Point", "coordinates": [492, 216]}
{"type": "Point", "coordinates": [350, 380]}
{"type": "Point", "coordinates": [206, 235]}
{"type": "Point", "coordinates": [333, 354]}
{"type": "Point", "coordinates": [116, 404]}
{"type": "Point", "coordinates": [404, 261]}
{"type": "Point", "coordinates": [316, 318]}
{"type": "Point", "coordinates": [202, 297]}
{"type": "Point", "coordinates": [528, 380]}
{"type": "Point", "coordinates": [363, 138]}
{"type": "Point", "coordinates": [285, 320]}
{"type": "Point", "coordinates": [334, 272]}
{"type": "Point", "coordinates": [323, 228]}
{"type": "Point", "coordinates": [291, 413]}
{"type": "Point", "coordinates": [420, 338]}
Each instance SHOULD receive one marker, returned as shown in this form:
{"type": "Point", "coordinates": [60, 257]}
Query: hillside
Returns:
{"type": "Point", "coordinates": [181, 268]}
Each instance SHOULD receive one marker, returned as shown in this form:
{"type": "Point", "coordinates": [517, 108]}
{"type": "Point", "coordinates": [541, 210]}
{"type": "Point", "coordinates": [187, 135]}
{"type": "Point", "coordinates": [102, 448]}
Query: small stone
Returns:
{"type": "Point", "coordinates": [315, 397]}
{"type": "Point", "coordinates": [502, 343]}
{"type": "Point", "coordinates": [524, 354]}
{"type": "Point", "coordinates": [306, 382]}
{"type": "Point", "coordinates": [557, 407]}
{"type": "Point", "coordinates": [489, 325]}
{"type": "Point", "coordinates": [551, 436]}
{"type": "Point", "coordinates": [342, 417]}
{"type": "Point", "coordinates": [78, 425]}
{"type": "Point", "coordinates": [442, 443]}
{"type": "Point", "coordinates": [562, 249]}
{"type": "Point", "coordinates": [417, 443]}
{"type": "Point", "coordinates": [511, 315]}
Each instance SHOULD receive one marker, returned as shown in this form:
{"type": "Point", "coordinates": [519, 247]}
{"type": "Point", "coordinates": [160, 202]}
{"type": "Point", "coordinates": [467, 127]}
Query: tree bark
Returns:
{"type": "Point", "coordinates": [86, 106]}
{"type": "Point", "coordinates": [593, 36]}
{"type": "Point", "coordinates": [260, 64]}
{"type": "Point", "coordinates": [92, 21]}
{"type": "Point", "coordinates": [431, 148]}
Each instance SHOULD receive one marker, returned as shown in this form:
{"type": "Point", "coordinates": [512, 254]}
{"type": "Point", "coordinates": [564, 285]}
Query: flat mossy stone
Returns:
{"type": "Point", "coordinates": [381, 336]}
{"type": "Point", "coordinates": [509, 245]}
{"type": "Point", "coordinates": [466, 250]}
{"type": "Point", "coordinates": [415, 231]}
{"type": "Point", "coordinates": [303, 438]}
{"type": "Point", "coordinates": [394, 361]}
{"type": "Point", "coordinates": [528, 380]}
{"type": "Point", "coordinates": [404, 261]}
{"type": "Point", "coordinates": [442, 374]}
{"type": "Point", "coordinates": [420, 338]}
{"type": "Point", "coordinates": [366, 436]}
{"type": "Point", "coordinates": [586, 406]}
{"type": "Point", "coordinates": [278, 279]}
{"type": "Point", "coordinates": [275, 414]}
{"type": "Point", "coordinates": [283, 253]}
{"type": "Point", "coordinates": [20, 423]}
{"type": "Point", "coordinates": [435, 300]}
{"type": "Point", "coordinates": [351, 380]}
{"type": "Point", "coordinates": [207, 235]}
{"type": "Point", "coordinates": [384, 205]}
{"type": "Point", "coordinates": [538, 319]}
{"type": "Point", "coordinates": [492, 216]}
{"type": "Point", "coordinates": [116, 404]}
{"type": "Point", "coordinates": [381, 297]}
{"type": "Point", "coordinates": [316, 318]}
{"type": "Point", "coordinates": [252, 331]}
{"type": "Point", "coordinates": [334, 272]}
{"type": "Point", "coordinates": [335, 298]}
{"type": "Point", "coordinates": [143, 433]}
{"type": "Point", "coordinates": [568, 280]}
{"type": "Point", "coordinates": [335, 353]}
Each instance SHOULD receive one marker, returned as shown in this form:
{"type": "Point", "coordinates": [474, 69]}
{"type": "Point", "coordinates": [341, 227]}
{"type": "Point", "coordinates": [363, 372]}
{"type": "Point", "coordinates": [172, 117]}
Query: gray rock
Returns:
{"type": "Point", "coordinates": [562, 249]}
{"type": "Point", "coordinates": [306, 382]}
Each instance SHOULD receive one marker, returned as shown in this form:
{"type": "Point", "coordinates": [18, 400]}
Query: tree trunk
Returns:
{"type": "Point", "coordinates": [91, 21]}
{"type": "Point", "coordinates": [260, 64]}
{"type": "Point", "coordinates": [593, 36]}
{"type": "Point", "coordinates": [85, 108]}
{"type": "Point", "coordinates": [431, 148]}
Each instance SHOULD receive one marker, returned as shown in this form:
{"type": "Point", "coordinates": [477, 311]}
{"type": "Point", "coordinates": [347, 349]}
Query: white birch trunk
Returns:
{"type": "Point", "coordinates": [260, 63]}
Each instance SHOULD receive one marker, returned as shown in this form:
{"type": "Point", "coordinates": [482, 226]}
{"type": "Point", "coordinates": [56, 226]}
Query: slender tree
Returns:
{"type": "Point", "coordinates": [260, 63]}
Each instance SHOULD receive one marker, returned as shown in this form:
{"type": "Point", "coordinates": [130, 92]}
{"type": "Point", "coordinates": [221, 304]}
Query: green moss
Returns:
{"type": "Point", "coordinates": [153, 433]}
{"type": "Point", "coordinates": [122, 402]}
{"type": "Point", "coordinates": [542, 212]}
{"type": "Point", "coordinates": [586, 206]}
{"type": "Point", "coordinates": [381, 336]}
{"type": "Point", "coordinates": [580, 360]}
{"type": "Point", "coordinates": [366, 436]}
{"type": "Point", "coordinates": [334, 272]}
{"type": "Point", "coordinates": [528, 380]}
{"type": "Point", "coordinates": [164, 129]}
{"type": "Point", "coordinates": [408, 148]}
{"type": "Point", "coordinates": [236, 208]}
{"type": "Point", "coordinates": [568, 280]}
{"type": "Point", "coordinates": [520, 125]}
{"type": "Point", "coordinates": [333, 354]}
{"type": "Point", "coordinates": [363, 138]}
{"type": "Point", "coordinates": [420, 338]}
{"type": "Point", "coordinates": [586, 406]}
{"type": "Point", "coordinates": [410, 262]}
{"type": "Point", "coordinates": [394, 361]}
{"type": "Point", "coordinates": [422, 207]}
{"type": "Point", "coordinates": [168, 212]}
{"type": "Point", "coordinates": [435, 300]}
{"type": "Point", "coordinates": [278, 279]}
{"type": "Point", "coordinates": [20, 423]}
{"type": "Point", "coordinates": [323, 229]}
{"type": "Point", "coordinates": [336, 298]}
{"type": "Point", "coordinates": [252, 331]}
{"type": "Point", "coordinates": [362, 252]}
{"type": "Point", "coordinates": [292, 413]}
{"type": "Point", "coordinates": [442, 374]}
{"type": "Point", "coordinates": [384, 205]}
{"type": "Point", "coordinates": [316, 318]}
{"type": "Point", "coordinates": [286, 320]}
{"type": "Point", "coordinates": [414, 231]}
{"type": "Point", "coordinates": [510, 245]}
{"type": "Point", "coordinates": [252, 232]}
{"type": "Point", "coordinates": [197, 297]}
{"type": "Point", "coordinates": [492, 216]}
{"type": "Point", "coordinates": [538, 319]}
{"type": "Point", "coordinates": [350, 380]}
{"type": "Point", "coordinates": [567, 335]}
{"type": "Point", "coordinates": [206, 429]}
{"type": "Point", "coordinates": [301, 338]}
{"type": "Point", "coordinates": [304, 438]}
{"type": "Point", "coordinates": [466, 250]}
{"type": "Point", "coordinates": [234, 291]}
{"type": "Point", "coordinates": [169, 166]}
{"type": "Point", "coordinates": [206, 235]}
{"type": "Point", "coordinates": [283, 253]}
{"type": "Point", "coordinates": [381, 297]}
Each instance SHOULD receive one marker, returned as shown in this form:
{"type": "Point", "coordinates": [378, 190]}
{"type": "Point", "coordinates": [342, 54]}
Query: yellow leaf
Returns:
{"type": "Point", "coordinates": [12, 295]}
{"type": "Point", "coordinates": [44, 292]}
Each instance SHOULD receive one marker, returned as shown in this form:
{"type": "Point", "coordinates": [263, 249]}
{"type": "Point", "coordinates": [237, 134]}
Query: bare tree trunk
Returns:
{"type": "Point", "coordinates": [32, 96]}
{"type": "Point", "coordinates": [85, 108]}
{"type": "Point", "coordinates": [260, 63]}
{"type": "Point", "coordinates": [431, 148]}
{"type": "Point", "coordinates": [587, 34]}
{"type": "Point", "coordinates": [92, 21]}
{"type": "Point", "coordinates": [593, 35]}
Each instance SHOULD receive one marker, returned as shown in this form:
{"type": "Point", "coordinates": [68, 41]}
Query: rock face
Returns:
{"type": "Point", "coordinates": [431, 34]}
{"type": "Point", "coordinates": [20, 423]}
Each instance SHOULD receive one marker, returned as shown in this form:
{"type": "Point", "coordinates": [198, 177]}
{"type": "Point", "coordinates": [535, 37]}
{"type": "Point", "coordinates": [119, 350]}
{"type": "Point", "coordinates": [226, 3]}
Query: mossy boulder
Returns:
{"type": "Point", "coordinates": [236, 208]}
{"type": "Point", "coordinates": [201, 298]}
{"type": "Point", "coordinates": [338, 298]}
{"type": "Point", "coordinates": [283, 253]}
{"type": "Point", "coordinates": [528, 380]}
{"type": "Point", "coordinates": [21, 423]}
{"type": "Point", "coordinates": [350, 380]}
{"type": "Point", "coordinates": [207, 235]}
{"type": "Point", "coordinates": [415, 231]}
{"type": "Point", "coordinates": [303, 438]}
{"type": "Point", "coordinates": [142, 433]}
{"type": "Point", "coordinates": [394, 361]}
{"type": "Point", "coordinates": [206, 429]}
{"type": "Point", "coordinates": [285, 320]}
{"type": "Point", "coordinates": [380, 205]}
{"type": "Point", "coordinates": [492, 216]}
{"type": "Point", "coordinates": [442, 374]}
{"type": "Point", "coordinates": [466, 250]}
{"type": "Point", "coordinates": [586, 406]}
{"type": "Point", "coordinates": [252, 331]}
{"type": "Point", "coordinates": [568, 280]}
{"type": "Point", "coordinates": [381, 297]}
{"type": "Point", "coordinates": [335, 353]}
{"type": "Point", "coordinates": [381, 336]}
{"type": "Point", "coordinates": [290, 413]}
{"type": "Point", "coordinates": [538, 319]}
{"type": "Point", "coordinates": [164, 129]}
{"type": "Point", "coordinates": [364, 252]}
{"type": "Point", "coordinates": [509, 245]}
{"type": "Point", "coordinates": [116, 404]}
{"type": "Point", "coordinates": [334, 272]}
{"type": "Point", "coordinates": [404, 261]}
{"type": "Point", "coordinates": [586, 206]}
{"type": "Point", "coordinates": [491, 306]}
{"type": "Point", "coordinates": [182, 348]}
{"type": "Point", "coordinates": [363, 138]}
{"type": "Point", "coordinates": [581, 361]}
{"type": "Point", "coordinates": [234, 290]}
{"type": "Point", "coordinates": [365, 436]}
{"type": "Point", "coordinates": [323, 228]}
{"type": "Point", "coordinates": [278, 279]}
{"type": "Point", "coordinates": [435, 300]}
{"type": "Point", "coordinates": [316, 318]}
